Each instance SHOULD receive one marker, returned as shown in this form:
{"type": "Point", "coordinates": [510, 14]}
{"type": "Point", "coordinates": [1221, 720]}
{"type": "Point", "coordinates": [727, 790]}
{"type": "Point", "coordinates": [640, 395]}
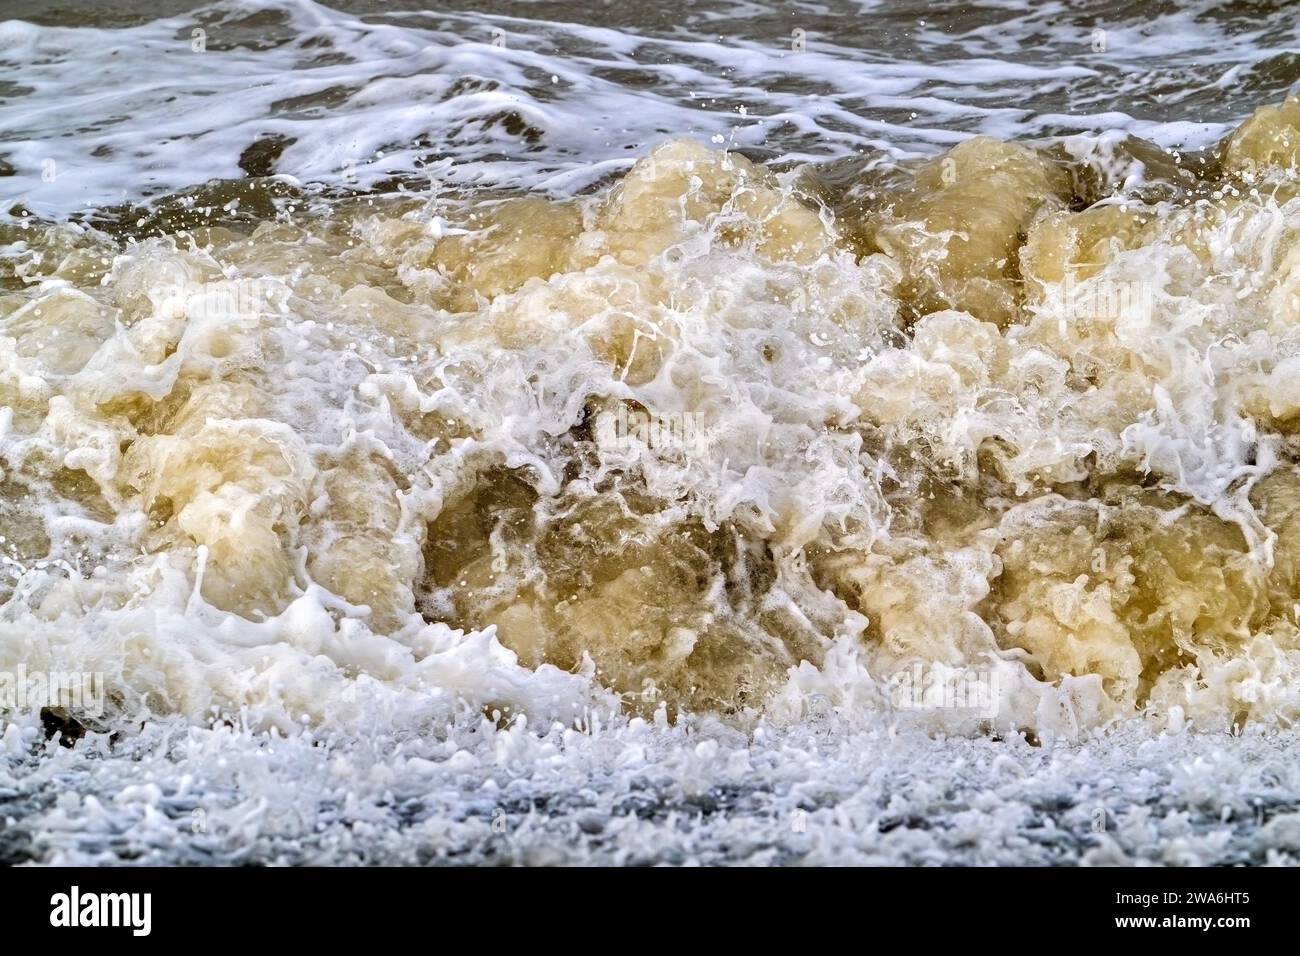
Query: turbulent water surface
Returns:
{"type": "Point", "coordinates": [656, 432]}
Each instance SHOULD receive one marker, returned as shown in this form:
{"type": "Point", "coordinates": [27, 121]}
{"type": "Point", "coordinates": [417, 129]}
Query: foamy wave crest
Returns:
{"type": "Point", "coordinates": [1001, 439]}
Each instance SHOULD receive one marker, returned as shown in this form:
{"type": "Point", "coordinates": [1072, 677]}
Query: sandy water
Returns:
{"type": "Point", "coordinates": [544, 433]}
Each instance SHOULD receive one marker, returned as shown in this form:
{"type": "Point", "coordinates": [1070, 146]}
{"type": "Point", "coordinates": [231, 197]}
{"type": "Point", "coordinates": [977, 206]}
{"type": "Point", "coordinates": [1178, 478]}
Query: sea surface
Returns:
{"type": "Point", "coordinates": [649, 433]}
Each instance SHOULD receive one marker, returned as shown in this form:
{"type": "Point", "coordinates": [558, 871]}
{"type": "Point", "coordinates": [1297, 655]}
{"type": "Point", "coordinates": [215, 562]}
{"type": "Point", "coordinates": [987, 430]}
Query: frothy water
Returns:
{"type": "Point", "coordinates": [513, 96]}
{"type": "Point", "coordinates": [720, 384]}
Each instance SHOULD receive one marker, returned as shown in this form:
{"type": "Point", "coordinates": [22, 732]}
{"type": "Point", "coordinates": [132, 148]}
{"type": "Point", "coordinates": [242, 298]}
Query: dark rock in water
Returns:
{"type": "Point", "coordinates": [58, 721]}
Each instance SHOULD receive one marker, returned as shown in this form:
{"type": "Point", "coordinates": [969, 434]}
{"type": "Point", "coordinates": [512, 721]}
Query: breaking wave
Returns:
{"type": "Point", "coordinates": [715, 431]}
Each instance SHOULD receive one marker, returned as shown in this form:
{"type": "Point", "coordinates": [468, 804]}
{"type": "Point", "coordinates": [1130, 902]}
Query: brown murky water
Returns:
{"type": "Point", "coordinates": [550, 432]}
{"type": "Point", "coordinates": [668, 352]}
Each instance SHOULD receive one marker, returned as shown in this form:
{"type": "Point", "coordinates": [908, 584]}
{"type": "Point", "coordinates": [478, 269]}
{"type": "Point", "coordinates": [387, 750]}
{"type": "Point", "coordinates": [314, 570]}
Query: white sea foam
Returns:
{"type": "Point", "coordinates": [103, 116]}
{"type": "Point", "coordinates": [591, 447]}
